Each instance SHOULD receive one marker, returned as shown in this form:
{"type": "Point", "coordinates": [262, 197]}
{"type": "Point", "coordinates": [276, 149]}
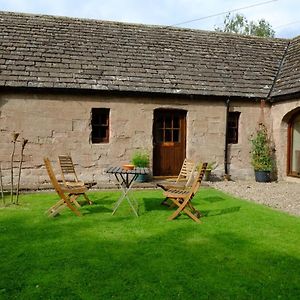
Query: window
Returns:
{"type": "Point", "coordinates": [233, 127]}
{"type": "Point", "coordinates": [168, 127]}
{"type": "Point", "coordinates": [100, 125]}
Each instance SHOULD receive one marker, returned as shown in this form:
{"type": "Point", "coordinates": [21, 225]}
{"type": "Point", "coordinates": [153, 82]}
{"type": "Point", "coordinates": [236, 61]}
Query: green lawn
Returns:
{"type": "Point", "coordinates": [241, 250]}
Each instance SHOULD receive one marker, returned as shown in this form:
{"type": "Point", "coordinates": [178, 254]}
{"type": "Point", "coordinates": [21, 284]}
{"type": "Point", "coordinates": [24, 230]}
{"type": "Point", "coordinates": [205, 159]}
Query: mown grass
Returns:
{"type": "Point", "coordinates": [240, 251]}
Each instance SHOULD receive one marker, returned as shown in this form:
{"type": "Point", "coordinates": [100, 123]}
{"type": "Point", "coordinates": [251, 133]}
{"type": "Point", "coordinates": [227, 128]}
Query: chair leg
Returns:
{"type": "Point", "coordinates": [183, 207]}
{"type": "Point", "coordinates": [87, 199]}
{"type": "Point", "coordinates": [61, 204]}
{"type": "Point", "coordinates": [195, 211]}
{"type": "Point", "coordinates": [192, 216]}
{"type": "Point", "coordinates": [57, 210]}
{"type": "Point", "coordinates": [165, 202]}
{"type": "Point", "coordinates": [74, 200]}
{"type": "Point", "coordinates": [55, 206]}
{"type": "Point", "coordinates": [178, 210]}
{"type": "Point", "coordinates": [69, 202]}
{"type": "Point", "coordinates": [75, 196]}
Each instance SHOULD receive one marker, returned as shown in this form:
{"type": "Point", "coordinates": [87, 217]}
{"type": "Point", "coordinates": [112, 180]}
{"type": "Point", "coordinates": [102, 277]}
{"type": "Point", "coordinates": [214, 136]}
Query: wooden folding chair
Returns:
{"type": "Point", "coordinates": [182, 197]}
{"type": "Point", "coordinates": [69, 176]}
{"type": "Point", "coordinates": [184, 178]}
{"type": "Point", "coordinates": [67, 195]}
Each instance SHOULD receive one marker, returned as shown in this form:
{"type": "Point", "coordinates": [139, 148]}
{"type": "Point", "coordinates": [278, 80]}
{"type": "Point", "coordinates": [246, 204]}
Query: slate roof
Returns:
{"type": "Point", "coordinates": [58, 52]}
{"type": "Point", "coordinates": [288, 80]}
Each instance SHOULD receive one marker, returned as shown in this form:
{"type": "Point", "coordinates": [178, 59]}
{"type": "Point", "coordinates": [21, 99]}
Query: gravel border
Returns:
{"type": "Point", "coordinates": [284, 196]}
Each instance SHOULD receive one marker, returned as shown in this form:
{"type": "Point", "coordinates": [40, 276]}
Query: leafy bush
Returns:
{"type": "Point", "coordinates": [261, 150]}
{"type": "Point", "coordinates": [212, 165]}
{"type": "Point", "coordinates": [140, 159]}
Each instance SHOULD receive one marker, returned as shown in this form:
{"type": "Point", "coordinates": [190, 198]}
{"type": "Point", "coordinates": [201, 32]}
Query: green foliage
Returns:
{"type": "Point", "coordinates": [261, 150]}
{"type": "Point", "coordinates": [211, 165]}
{"type": "Point", "coordinates": [239, 24]}
{"type": "Point", "coordinates": [140, 159]}
{"type": "Point", "coordinates": [100, 256]}
{"type": "Point", "coordinates": [262, 28]}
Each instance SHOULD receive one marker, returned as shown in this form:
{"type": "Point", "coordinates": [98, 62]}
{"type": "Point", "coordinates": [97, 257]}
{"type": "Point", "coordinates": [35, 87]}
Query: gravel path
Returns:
{"type": "Point", "coordinates": [280, 195]}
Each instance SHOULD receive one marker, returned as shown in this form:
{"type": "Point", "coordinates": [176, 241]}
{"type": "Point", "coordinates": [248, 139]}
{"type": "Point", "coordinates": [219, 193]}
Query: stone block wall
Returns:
{"type": "Point", "coordinates": [239, 154]}
{"type": "Point", "coordinates": [60, 124]}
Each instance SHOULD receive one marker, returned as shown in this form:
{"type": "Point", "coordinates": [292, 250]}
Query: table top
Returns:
{"type": "Point", "coordinates": [120, 170]}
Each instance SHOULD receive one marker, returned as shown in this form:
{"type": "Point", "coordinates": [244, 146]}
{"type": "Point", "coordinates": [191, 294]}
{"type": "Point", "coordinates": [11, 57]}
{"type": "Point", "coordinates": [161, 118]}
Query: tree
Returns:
{"type": "Point", "coordinates": [239, 24]}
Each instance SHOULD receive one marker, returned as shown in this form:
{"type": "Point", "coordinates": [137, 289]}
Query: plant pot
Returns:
{"type": "Point", "coordinates": [128, 167]}
{"type": "Point", "coordinates": [142, 178]}
{"type": "Point", "coordinates": [262, 176]}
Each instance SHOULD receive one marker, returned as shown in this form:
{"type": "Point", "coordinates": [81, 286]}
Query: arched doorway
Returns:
{"type": "Point", "coordinates": [293, 165]}
{"type": "Point", "coordinates": [169, 141]}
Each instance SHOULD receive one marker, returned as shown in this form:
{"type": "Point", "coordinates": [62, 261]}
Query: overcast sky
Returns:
{"type": "Point", "coordinates": [283, 15]}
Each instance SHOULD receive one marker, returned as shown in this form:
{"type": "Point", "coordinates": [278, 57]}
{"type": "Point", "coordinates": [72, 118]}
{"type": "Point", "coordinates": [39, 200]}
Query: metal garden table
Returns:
{"type": "Point", "coordinates": [125, 180]}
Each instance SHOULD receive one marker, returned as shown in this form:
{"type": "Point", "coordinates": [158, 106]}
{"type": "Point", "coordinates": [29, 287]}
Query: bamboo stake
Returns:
{"type": "Point", "coordinates": [1, 185]}
{"type": "Point", "coordinates": [24, 142]}
{"type": "Point", "coordinates": [15, 137]}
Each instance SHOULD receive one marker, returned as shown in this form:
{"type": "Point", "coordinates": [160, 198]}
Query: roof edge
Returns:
{"type": "Point", "coordinates": [139, 24]}
{"type": "Point", "coordinates": [279, 69]}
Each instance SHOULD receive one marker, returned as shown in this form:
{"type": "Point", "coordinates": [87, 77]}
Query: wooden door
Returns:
{"type": "Point", "coordinates": [169, 141]}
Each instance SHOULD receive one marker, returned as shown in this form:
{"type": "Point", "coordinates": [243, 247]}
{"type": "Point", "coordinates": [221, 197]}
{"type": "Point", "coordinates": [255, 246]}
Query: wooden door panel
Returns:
{"type": "Point", "coordinates": [169, 141]}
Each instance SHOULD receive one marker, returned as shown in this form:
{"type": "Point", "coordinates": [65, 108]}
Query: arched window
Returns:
{"type": "Point", "coordinates": [294, 146]}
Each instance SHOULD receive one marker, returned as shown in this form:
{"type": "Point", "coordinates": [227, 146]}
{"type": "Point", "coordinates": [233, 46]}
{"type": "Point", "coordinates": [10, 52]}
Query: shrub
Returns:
{"type": "Point", "coordinates": [261, 150]}
{"type": "Point", "coordinates": [140, 159]}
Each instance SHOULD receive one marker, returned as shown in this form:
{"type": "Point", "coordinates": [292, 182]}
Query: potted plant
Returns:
{"type": "Point", "coordinates": [262, 154]}
{"type": "Point", "coordinates": [140, 159]}
{"type": "Point", "coordinates": [210, 167]}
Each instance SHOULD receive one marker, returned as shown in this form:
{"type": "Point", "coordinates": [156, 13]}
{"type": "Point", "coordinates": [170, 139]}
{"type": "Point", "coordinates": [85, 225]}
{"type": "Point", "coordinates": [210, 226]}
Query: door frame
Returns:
{"type": "Point", "coordinates": [182, 133]}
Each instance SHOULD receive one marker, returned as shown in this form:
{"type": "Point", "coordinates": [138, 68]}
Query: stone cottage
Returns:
{"type": "Point", "coordinates": [100, 90]}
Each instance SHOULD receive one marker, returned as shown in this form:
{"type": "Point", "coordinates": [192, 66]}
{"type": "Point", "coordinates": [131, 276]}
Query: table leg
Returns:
{"type": "Point", "coordinates": [125, 186]}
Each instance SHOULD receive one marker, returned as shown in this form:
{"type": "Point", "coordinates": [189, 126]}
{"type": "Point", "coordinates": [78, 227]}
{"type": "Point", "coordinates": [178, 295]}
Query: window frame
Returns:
{"type": "Point", "coordinates": [233, 139]}
{"type": "Point", "coordinates": [97, 128]}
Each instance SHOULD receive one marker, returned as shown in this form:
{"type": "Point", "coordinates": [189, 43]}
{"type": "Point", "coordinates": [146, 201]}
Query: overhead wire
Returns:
{"type": "Point", "coordinates": [224, 12]}
{"type": "Point", "coordinates": [287, 24]}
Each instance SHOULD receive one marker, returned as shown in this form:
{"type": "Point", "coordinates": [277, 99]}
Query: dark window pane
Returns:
{"type": "Point", "coordinates": [100, 125]}
{"type": "Point", "coordinates": [168, 135]}
{"type": "Point", "coordinates": [176, 123]}
{"type": "Point", "coordinates": [176, 136]}
{"type": "Point", "coordinates": [160, 136]}
{"type": "Point", "coordinates": [232, 123]}
{"type": "Point", "coordinates": [96, 132]}
{"type": "Point", "coordinates": [168, 121]}
{"type": "Point", "coordinates": [103, 119]}
{"type": "Point", "coordinates": [232, 127]}
{"type": "Point", "coordinates": [103, 131]}
{"type": "Point", "coordinates": [232, 138]}
{"type": "Point", "coordinates": [160, 122]}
